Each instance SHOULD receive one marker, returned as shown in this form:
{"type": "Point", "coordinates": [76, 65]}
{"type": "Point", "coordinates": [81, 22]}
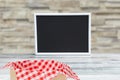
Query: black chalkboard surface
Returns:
{"type": "Point", "coordinates": [62, 33]}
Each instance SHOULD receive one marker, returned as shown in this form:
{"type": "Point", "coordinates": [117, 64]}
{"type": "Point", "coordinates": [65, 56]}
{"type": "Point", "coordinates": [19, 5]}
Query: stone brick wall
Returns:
{"type": "Point", "coordinates": [17, 28]}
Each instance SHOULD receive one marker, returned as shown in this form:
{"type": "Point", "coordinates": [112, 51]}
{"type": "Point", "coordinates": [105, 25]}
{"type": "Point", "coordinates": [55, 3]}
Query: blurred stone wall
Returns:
{"type": "Point", "coordinates": [17, 27]}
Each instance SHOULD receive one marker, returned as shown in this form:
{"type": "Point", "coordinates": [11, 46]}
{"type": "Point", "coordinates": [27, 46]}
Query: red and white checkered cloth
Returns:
{"type": "Point", "coordinates": [41, 69]}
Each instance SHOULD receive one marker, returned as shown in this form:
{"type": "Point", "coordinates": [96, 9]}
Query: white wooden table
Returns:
{"type": "Point", "coordinates": [93, 67]}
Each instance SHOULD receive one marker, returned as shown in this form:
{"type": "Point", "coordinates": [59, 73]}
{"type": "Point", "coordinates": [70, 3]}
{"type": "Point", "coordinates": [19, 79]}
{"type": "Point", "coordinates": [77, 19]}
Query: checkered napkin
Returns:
{"type": "Point", "coordinates": [41, 69]}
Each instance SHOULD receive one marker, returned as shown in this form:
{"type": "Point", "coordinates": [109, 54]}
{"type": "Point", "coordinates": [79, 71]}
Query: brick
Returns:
{"type": "Point", "coordinates": [18, 34]}
{"type": "Point", "coordinates": [64, 4]}
{"type": "Point", "coordinates": [2, 4]}
{"type": "Point", "coordinates": [15, 47]}
{"type": "Point", "coordinates": [6, 26]}
{"type": "Point", "coordinates": [12, 28]}
{"type": "Point", "coordinates": [17, 39]}
{"type": "Point", "coordinates": [104, 40]}
{"type": "Point", "coordinates": [0, 14]}
{"type": "Point", "coordinates": [27, 46]}
{"type": "Point", "coordinates": [16, 26]}
{"type": "Point", "coordinates": [16, 14]}
{"type": "Point", "coordinates": [2, 24]}
{"type": "Point", "coordinates": [110, 17]}
{"type": "Point", "coordinates": [107, 12]}
{"type": "Point", "coordinates": [17, 51]}
{"type": "Point", "coordinates": [104, 47]}
{"type": "Point", "coordinates": [118, 34]}
{"type": "Point", "coordinates": [116, 45]}
{"type": "Point", "coordinates": [1, 48]}
{"type": "Point", "coordinates": [93, 41]}
{"type": "Point", "coordinates": [106, 27]}
{"type": "Point", "coordinates": [93, 28]}
{"type": "Point", "coordinates": [36, 4]}
{"type": "Point", "coordinates": [31, 13]}
{"type": "Point", "coordinates": [112, 5]}
{"type": "Point", "coordinates": [110, 50]}
{"type": "Point", "coordinates": [28, 29]}
{"type": "Point", "coordinates": [1, 38]}
{"type": "Point", "coordinates": [5, 29]}
{"type": "Point", "coordinates": [102, 0]}
{"type": "Point", "coordinates": [38, 1]}
{"type": "Point", "coordinates": [97, 21]}
{"type": "Point", "coordinates": [15, 1]}
{"type": "Point", "coordinates": [114, 1]}
{"type": "Point", "coordinates": [76, 10]}
{"type": "Point", "coordinates": [107, 33]}
{"type": "Point", "coordinates": [89, 3]}
{"type": "Point", "coordinates": [113, 22]}
{"type": "Point", "coordinates": [14, 5]}
{"type": "Point", "coordinates": [19, 43]}
{"type": "Point", "coordinates": [94, 34]}
{"type": "Point", "coordinates": [93, 37]}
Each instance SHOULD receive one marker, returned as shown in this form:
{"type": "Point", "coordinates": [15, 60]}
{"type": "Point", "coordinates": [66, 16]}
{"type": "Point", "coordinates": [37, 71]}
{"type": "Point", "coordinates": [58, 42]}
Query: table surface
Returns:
{"type": "Point", "coordinates": [92, 67]}
{"type": "Point", "coordinates": [82, 77]}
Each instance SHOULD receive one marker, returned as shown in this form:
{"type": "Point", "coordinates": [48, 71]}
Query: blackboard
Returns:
{"type": "Point", "coordinates": [62, 33]}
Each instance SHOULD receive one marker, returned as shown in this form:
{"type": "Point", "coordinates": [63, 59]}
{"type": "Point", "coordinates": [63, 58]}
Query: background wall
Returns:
{"type": "Point", "coordinates": [17, 27]}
